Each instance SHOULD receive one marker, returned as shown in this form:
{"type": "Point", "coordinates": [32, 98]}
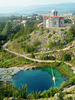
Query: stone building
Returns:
{"type": "Point", "coordinates": [53, 21]}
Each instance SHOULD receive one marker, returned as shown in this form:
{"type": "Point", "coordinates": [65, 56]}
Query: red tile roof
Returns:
{"type": "Point", "coordinates": [40, 24]}
{"type": "Point", "coordinates": [73, 20]}
{"type": "Point", "coordinates": [45, 16]}
{"type": "Point", "coordinates": [49, 18]}
{"type": "Point", "coordinates": [61, 18]}
{"type": "Point", "coordinates": [54, 17]}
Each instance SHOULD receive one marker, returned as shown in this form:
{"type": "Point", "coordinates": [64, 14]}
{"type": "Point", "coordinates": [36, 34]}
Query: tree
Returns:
{"type": "Point", "coordinates": [52, 44]}
{"type": "Point", "coordinates": [67, 21]}
{"type": "Point", "coordinates": [61, 96]}
{"type": "Point", "coordinates": [53, 32]}
{"type": "Point", "coordinates": [24, 92]}
{"type": "Point", "coordinates": [7, 29]}
{"type": "Point", "coordinates": [33, 95]}
{"type": "Point", "coordinates": [47, 30]}
{"type": "Point", "coordinates": [29, 48]}
{"type": "Point", "coordinates": [44, 94]}
{"type": "Point", "coordinates": [32, 56]}
{"type": "Point", "coordinates": [41, 30]}
{"type": "Point", "coordinates": [0, 28]}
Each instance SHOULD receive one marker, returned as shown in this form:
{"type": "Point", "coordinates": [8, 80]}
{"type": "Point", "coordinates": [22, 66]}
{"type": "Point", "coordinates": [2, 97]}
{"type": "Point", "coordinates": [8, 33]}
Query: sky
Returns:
{"type": "Point", "coordinates": [5, 3]}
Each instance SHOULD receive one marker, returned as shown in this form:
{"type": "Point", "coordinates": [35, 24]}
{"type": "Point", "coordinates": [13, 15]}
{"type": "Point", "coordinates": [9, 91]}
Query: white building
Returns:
{"type": "Point", "coordinates": [53, 21]}
{"type": "Point", "coordinates": [24, 22]}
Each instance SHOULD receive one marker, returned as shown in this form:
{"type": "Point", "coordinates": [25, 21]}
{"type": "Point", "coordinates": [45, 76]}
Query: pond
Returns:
{"type": "Point", "coordinates": [39, 79]}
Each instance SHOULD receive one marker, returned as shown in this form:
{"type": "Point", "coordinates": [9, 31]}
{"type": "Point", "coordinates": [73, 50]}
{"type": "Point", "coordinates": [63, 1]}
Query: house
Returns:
{"type": "Point", "coordinates": [41, 24]}
{"type": "Point", "coordinates": [73, 21]}
{"type": "Point", "coordinates": [24, 22]}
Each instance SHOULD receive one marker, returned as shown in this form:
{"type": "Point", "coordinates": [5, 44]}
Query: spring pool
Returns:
{"type": "Point", "coordinates": [39, 79]}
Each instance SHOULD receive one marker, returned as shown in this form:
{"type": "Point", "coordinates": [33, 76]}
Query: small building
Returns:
{"type": "Point", "coordinates": [16, 20]}
{"type": "Point", "coordinates": [24, 22]}
{"type": "Point", "coordinates": [53, 21]}
{"type": "Point", "coordinates": [41, 24]}
{"type": "Point", "coordinates": [73, 21]}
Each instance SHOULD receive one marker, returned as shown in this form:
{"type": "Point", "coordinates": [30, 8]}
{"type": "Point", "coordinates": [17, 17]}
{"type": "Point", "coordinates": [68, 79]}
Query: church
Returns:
{"type": "Point", "coordinates": [53, 21]}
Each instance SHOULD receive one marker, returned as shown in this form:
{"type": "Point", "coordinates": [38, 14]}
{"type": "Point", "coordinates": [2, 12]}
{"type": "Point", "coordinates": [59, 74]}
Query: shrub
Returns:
{"type": "Point", "coordinates": [41, 30]}
{"type": "Point", "coordinates": [67, 21]}
{"type": "Point", "coordinates": [49, 35]}
{"type": "Point", "coordinates": [65, 32]}
{"type": "Point", "coordinates": [50, 93]}
{"type": "Point", "coordinates": [56, 64]}
{"type": "Point", "coordinates": [29, 48]}
{"type": "Point", "coordinates": [32, 56]}
{"type": "Point", "coordinates": [53, 32]}
{"type": "Point", "coordinates": [33, 95]}
{"type": "Point", "coordinates": [7, 90]}
{"type": "Point", "coordinates": [65, 57]}
{"type": "Point", "coordinates": [51, 44]}
{"type": "Point", "coordinates": [47, 30]}
{"type": "Point", "coordinates": [42, 57]}
{"type": "Point", "coordinates": [62, 29]}
{"type": "Point", "coordinates": [34, 32]}
{"type": "Point", "coordinates": [36, 43]}
{"type": "Point", "coordinates": [61, 96]}
{"type": "Point", "coordinates": [51, 57]}
{"type": "Point", "coordinates": [46, 57]}
{"type": "Point", "coordinates": [44, 94]}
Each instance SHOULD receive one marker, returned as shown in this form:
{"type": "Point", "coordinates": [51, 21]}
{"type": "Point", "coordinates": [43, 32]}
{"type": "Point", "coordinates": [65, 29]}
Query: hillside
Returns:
{"type": "Point", "coordinates": [42, 40]}
{"type": "Point", "coordinates": [54, 47]}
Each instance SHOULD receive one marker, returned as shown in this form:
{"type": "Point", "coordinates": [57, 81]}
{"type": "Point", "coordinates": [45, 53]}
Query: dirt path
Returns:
{"type": "Point", "coordinates": [32, 59]}
{"type": "Point", "coordinates": [66, 48]}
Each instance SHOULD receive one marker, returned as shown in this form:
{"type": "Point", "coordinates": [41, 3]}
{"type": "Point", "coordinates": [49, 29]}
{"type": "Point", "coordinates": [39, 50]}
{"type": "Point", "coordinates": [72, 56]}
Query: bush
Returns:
{"type": "Point", "coordinates": [46, 57]}
{"type": "Point", "coordinates": [49, 35]}
{"type": "Point", "coordinates": [65, 32]}
{"type": "Point", "coordinates": [50, 93]}
{"type": "Point", "coordinates": [42, 57]}
{"type": "Point", "coordinates": [44, 94]}
{"type": "Point", "coordinates": [29, 48]}
{"type": "Point", "coordinates": [32, 56]}
{"type": "Point", "coordinates": [61, 96]}
{"type": "Point", "coordinates": [52, 44]}
{"type": "Point", "coordinates": [47, 30]}
{"type": "Point", "coordinates": [67, 21]}
{"type": "Point", "coordinates": [36, 43]}
{"type": "Point", "coordinates": [51, 57]}
{"type": "Point", "coordinates": [56, 64]}
{"type": "Point", "coordinates": [33, 95]}
{"type": "Point", "coordinates": [7, 90]}
{"type": "Point", "coordinates": [41, 30]}
{"type": "Point", "coordinates": [65, 57]}
{"type": "Point", "coordinates": [53, 32]}
{"type": "Point", "coordinates": [62, 29]}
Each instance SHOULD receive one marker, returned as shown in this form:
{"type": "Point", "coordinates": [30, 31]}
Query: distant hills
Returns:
{"type": "Point", "coordinates": [38, 9]}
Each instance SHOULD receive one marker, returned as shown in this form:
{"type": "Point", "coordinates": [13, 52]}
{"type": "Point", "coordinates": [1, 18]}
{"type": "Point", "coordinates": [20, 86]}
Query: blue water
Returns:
{"type": "Point", "coordinates": [38, 79]}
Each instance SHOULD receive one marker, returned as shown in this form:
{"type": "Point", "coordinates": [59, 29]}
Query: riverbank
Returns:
{"type": "Point", "coordinates": [7, 73]}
